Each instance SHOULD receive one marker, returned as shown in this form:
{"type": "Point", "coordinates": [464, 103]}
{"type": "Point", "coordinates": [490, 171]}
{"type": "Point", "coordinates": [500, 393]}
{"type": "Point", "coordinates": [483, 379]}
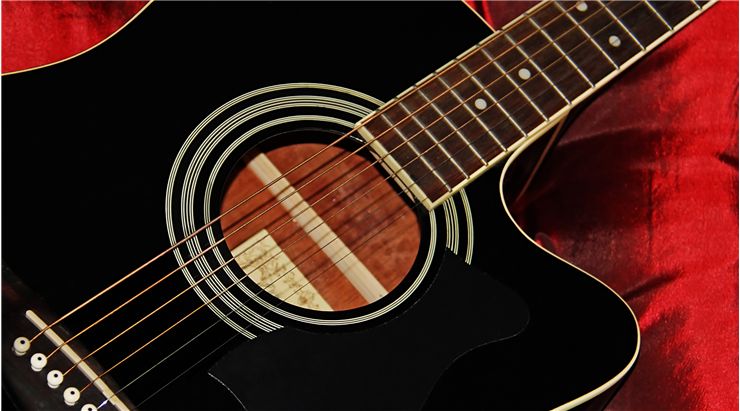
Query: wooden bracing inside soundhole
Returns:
{"type": "Point", "coordinates": [348, 232]}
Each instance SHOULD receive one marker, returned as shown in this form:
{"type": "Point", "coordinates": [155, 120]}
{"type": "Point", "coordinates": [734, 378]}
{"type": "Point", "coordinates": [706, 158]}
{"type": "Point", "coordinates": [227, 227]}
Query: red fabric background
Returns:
{"type": "Point", "coordinates": [41, 32]}
{"type": "Point", "coordinates": [642, 190]}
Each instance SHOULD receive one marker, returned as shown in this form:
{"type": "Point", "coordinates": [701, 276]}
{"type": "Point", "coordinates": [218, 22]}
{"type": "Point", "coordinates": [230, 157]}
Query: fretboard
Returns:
{"type": "Point", "coordinates": [440, 134]}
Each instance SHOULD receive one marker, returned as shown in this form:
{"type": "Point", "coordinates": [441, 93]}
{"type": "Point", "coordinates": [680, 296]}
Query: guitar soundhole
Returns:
{"type": "Point", "coordinates": [344, 240]}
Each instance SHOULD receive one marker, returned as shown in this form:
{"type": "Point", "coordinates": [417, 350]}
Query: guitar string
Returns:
{"type": "Point", "coordinates": [167, 384]}
{"type": "Point", "coordinates": [218, 268]}
{"type": "Point", "coordinates": [178, 376]}
{"type": "Point", "coordinates": [398, 215]}
{"type": "Point", "coordinates": [284, 274]}
{"type": "Point", "coordinates": [192, 235]}
{"type": "Point", "coordinates": [218, 218]}
{"type": "Point", "coordinates": [233, 258]}
{"type": "Point", "coordinates": [191, 367]}
{"type": "Point", "coordinates": [218, 321]}
{"type": "Point", "coordinates": [226, 341]}
{"type": "Point", "coordinates": [286, 222]}
{"type": "Point", "coordinates": [195, 257]}
{"type": "Point", "coordinates": [168, 356]}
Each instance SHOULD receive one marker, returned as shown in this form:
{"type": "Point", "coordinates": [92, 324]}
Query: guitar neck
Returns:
{"type": "Point", "coordinates": [439, 135]}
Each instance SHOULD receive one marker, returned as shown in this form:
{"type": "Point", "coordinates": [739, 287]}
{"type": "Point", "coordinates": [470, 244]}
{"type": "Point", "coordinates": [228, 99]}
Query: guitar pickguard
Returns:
{"type": "Point", "coordinates": [294, 369]}
{"type": "Point", "coordinates": [89, 148]}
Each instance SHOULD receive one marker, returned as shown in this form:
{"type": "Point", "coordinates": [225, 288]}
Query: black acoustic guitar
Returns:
{"type": "Point", "coordinates": [230, 205]}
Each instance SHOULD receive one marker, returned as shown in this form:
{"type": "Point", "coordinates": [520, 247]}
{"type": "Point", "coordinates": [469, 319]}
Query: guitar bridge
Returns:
{"type": "Point", "coordinates": [71, 395]}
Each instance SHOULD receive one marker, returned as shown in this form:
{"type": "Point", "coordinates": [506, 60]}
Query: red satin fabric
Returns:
{"type": "Point", "coordinates": [642, 190]}
{"type": "Point", "coordinates": [41, 32]}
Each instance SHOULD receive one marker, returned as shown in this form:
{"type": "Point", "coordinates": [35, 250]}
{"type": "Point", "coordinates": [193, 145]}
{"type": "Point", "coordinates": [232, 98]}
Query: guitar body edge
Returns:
{"type": "Point", "coordinates": [85, 188]}
{"type": "Point", "coordinates": [613, 383]}
{"type": "Point", "coordinates": [569, 310]}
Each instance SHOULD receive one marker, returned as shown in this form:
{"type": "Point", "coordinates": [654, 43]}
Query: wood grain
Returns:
{"type": "Point", "coordinates": [351, 198]}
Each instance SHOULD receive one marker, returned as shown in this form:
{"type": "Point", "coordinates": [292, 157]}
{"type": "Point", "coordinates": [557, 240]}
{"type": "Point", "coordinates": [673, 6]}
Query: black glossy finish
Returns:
{"type": "Point", "coordinates": [88, 145]}
{"type": "Point", "coordinates": [390, 366]}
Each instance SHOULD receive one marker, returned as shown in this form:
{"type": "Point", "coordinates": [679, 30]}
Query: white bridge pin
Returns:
{"type": "Point", "coordinates": [71, 396]}
{"type": "Point", "coordinates": [54, 378]}
{"type": "Point", "coordinates": [89, 407]}
{"type": "Point", "coordinates": [38, 362]}
{"type": "Point", "coordinates": [21, 345]}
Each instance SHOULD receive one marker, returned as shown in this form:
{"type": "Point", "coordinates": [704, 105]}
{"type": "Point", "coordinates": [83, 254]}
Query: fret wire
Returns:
{"type": "Point", "coordinates": [544, 75]}
{"type": "Point", "coordinates": [432, 170]}
{"type": "Point", "coordinates": [498, 105]}
{"type": "Point", "coordinates": [659, 16]}
{"type": "Point", "coordinates": [480, 48]}
{"type": "Point", "coordinates": [463, 137]}
{"type": "Point", "coordinates": [567, 14]}
{"type": "Point", "coordinates": [603, 6]}
{"type": "Point", "coordinates": [696, 4]}
{"type": "Point", "coordinates": [444, 116]}
{"type": "Point", "coordinates": [488, 56]}
{"type": "Point", "coordinates": [625, 47]}
{"type": "Point", "coordinates": [484, 91]}
{"type": "Point", "coordinates": [419, 155]}
{"type": "Point", "coordinates": [537, 26]}
{"type": "Point", "coordinates": [516, 87]}
{"type": "Point", "coordinates": [496, 101]}
{"type": "Point", "coordinates": [437, 74]}
{"type": "Point", "coordinates": [423, 138]}
{"type": "Point", "coordinates": [670, 13]}
{"type": "Point", "coordinates": [177, 323]}
{"type": "Point", "coordinates": [436, 143]}
{"type": "Point", "coordinates": [509, 117]}
{"type": "Point", "coordinates": [521, 107]}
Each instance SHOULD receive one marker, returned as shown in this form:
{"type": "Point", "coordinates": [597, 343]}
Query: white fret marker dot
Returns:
{"type": "Point", "coordinates": [614, 41]}
{"type": "Point", "coordinates": [524, 74]}
{"type": "Point", "coordinates": [581, 6]}
{"type": "Point", "coordinates": [480, 104]}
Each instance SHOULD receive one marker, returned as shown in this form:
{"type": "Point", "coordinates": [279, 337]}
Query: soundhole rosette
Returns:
{"type": "Point", "coordinates": [265, 120]}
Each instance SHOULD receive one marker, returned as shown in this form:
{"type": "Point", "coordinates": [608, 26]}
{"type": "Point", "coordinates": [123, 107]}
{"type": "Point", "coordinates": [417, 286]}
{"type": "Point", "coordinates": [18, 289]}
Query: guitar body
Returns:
{"type": "Point", "coordinates": [96, 154]}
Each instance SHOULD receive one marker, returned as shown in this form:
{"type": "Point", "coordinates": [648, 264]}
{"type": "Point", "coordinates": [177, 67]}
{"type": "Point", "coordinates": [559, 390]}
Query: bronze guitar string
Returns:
{"type": "Point", "coordinates": [192, 235]}
{"type": "Point", "coordinates": [232, 284]}
{"type": "Point", "coordinates": [230, 312]}
{"type": "Point", "coordinates": [376, 185]}
{"type": "Point", "coordinates": [201, 229]}
{"type": "Point", "coordinates": [185, 370]}
{"type": "Point", "coordinates": [497, 79]}
{"type": "Point", "coordinates": [397, 215]}
{"type": "Point", "coordinates": [219, 267]}
{"type": "Point", "coordinates": [203, 252]}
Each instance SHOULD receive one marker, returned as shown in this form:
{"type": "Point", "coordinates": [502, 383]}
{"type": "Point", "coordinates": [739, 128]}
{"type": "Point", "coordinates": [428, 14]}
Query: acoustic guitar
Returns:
{"type": "Point", "coordinates": [237, 205]}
